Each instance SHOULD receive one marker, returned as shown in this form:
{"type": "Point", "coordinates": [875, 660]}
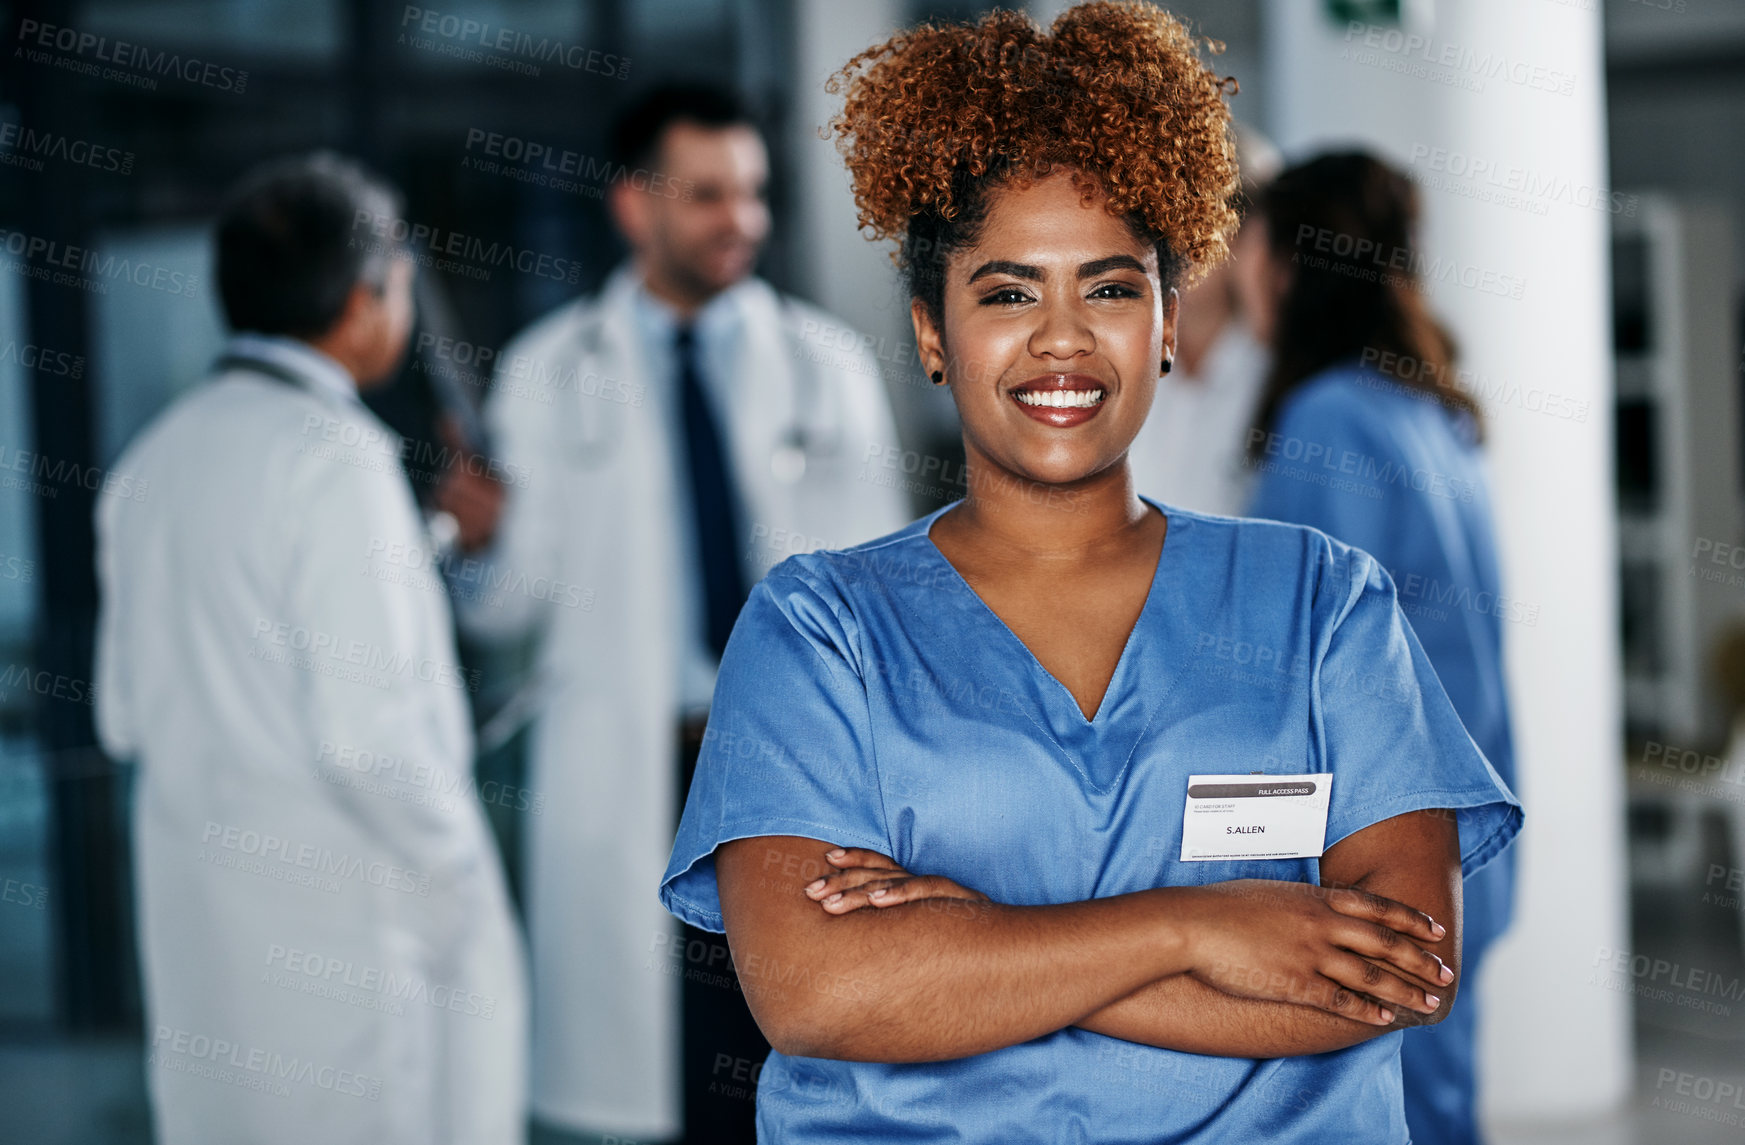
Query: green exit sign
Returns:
{"type": "Point", "coordinates": [1344, 12]}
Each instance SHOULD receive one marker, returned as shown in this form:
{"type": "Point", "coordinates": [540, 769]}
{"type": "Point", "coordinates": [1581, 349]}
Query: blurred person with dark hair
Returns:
{"type": "Point", "coordinates": [1191, 450]}
{"type": "Point", "coordinates": [327, 945]}
{"type": "Point", "coordinates": [1363, 432]}
{"type": "Point", "coordinates": [682, 431]}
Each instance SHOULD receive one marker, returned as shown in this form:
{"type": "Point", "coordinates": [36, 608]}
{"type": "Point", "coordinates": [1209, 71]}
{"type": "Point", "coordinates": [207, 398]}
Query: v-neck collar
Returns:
{"type": "Point", "coordinates": [1124, 712]}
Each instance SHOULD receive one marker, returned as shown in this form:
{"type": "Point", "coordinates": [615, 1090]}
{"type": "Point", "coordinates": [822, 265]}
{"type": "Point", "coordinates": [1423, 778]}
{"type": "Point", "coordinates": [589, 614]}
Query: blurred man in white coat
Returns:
{"type": "Point", "coordinates": [682, 432]}
{"type": "Point", "coordinates": [326, 939]}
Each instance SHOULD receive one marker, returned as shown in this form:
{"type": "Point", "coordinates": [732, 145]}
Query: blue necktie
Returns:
{"type": "Point", "coordinates": [712, 503]}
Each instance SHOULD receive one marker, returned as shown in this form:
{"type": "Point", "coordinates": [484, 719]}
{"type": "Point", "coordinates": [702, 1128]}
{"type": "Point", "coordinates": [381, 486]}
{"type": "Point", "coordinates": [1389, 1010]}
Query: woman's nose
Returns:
{"type": "Point", "coordinates": [1061, 333]}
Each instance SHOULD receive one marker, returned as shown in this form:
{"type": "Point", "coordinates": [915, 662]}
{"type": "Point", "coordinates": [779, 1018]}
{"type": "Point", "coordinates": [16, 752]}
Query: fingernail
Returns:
{"type": "Point", "coordinates": [1432, 1001]}
{"type": "Point", "coordinates": [833, 899]}
{"type": "Point", "coordinates": [1437, 930]}
{"type": "Point", "coordinates": [815, 886]}
{"type": "Point", "coordinates": [1386, 1017]}
{"type": "Point", "coordinates": [878, 894]}
{"type": "Point", "coordinates": [836, 854]}
{"type": "Point", "coordinates": [1447, 975]}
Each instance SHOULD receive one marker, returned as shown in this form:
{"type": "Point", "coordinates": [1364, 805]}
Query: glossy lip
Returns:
{"type": "Point", "coordinates": [1061, 418]}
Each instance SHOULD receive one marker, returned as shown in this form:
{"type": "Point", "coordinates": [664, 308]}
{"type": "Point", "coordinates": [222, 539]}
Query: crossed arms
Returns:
{"type": "Point", "coordinates": [1252, 968]}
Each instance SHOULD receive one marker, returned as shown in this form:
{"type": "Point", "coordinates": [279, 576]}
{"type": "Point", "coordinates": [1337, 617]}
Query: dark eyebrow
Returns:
{"type": "Point", "coordinates": [1034, 273]}
{"type": "Point", "coordinates": [1015, 269]}
{"type": "Point", "coordinates": [1113, 262]}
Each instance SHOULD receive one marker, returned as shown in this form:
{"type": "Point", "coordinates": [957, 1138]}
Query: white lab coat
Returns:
{"type": "Point", "coordinates": [575, 415]}
{"type": "Point", "coordinates": [326, 939]}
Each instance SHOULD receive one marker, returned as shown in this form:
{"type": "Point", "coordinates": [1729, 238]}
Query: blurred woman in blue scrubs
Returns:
{"type": "Point", "coordinates": [1363, 433]}
{"type": "Point", "coordinates": [1012, 697]}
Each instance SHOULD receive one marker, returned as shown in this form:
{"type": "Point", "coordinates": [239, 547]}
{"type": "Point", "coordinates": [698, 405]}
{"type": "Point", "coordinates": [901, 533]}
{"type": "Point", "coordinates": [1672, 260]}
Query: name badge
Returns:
{"type": "Point", "coordinates": [1255, 817]}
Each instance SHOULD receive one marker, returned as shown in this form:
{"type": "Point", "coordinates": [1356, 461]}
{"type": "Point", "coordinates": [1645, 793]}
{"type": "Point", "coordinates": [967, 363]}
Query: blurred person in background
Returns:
{"type": "Point", "coordinates": [1363, 433]}
{"type": "Point", "coordinates": [327, 945]}
{"type": "Point", "coordinates": [1190, 451]}
{"type": "Point", "coordinates": [682, 431]}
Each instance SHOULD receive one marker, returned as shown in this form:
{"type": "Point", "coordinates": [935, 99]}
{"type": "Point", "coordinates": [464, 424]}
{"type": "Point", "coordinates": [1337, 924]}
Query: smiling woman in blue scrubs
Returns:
{"type": "Point", "coordinates": [1365, 434]}
{"type": "Point", "coordinates": [1009, 696]}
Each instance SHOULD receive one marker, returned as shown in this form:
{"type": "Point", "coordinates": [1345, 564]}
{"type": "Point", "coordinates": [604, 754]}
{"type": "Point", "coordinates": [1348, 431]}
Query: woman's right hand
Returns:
{"type": "Point", "coordinates": [1346, 951]}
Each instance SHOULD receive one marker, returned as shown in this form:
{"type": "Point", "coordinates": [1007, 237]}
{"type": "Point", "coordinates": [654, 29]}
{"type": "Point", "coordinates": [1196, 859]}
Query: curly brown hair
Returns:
{"type": "Point", "coordinates": [1115, 92]}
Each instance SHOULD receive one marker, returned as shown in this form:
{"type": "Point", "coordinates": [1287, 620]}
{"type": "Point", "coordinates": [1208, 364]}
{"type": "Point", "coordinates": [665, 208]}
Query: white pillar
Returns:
{"type": "Point", "coordinates": [841, 267]}
{"type": "Point", "coordinates": [1519, 88]}
{"type": "Point", "coordinates": [841, 270]}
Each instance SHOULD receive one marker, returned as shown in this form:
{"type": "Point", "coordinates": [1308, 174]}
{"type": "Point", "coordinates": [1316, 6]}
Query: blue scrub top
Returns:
{"type": "Point", "coordinates": [869, 698]}
{"type": "Point", "coordinates": [1394, 472]}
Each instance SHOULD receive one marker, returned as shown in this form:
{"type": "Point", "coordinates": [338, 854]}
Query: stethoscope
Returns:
{"type": "Point", "coordinates": [805, 444]}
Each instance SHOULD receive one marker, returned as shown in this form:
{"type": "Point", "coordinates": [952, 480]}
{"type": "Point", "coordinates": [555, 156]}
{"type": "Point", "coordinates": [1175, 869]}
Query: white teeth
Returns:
{"type": "Point", "coordinates": [1061, 399]}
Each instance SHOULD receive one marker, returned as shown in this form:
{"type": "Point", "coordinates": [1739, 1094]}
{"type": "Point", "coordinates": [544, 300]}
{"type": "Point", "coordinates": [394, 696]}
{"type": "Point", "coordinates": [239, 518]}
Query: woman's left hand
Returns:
{"type": "Point", "coordinates": [867, 878]}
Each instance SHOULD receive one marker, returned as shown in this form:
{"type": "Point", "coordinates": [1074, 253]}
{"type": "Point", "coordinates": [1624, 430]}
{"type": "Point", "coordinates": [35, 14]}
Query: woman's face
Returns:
{"type": "Point", "coordinates": [1055, 323]}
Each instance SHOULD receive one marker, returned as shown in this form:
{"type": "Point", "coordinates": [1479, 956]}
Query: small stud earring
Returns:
{"type": "Point", "coordinates": [939, 377]}
{"type": "Point", "coordinates": [1167, 363]}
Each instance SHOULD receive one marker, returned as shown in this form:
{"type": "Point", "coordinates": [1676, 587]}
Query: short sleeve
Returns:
{"type": "Point", "coordinates": [788, 750]}
{"type": "Point", "coordinates": [1389, 734]}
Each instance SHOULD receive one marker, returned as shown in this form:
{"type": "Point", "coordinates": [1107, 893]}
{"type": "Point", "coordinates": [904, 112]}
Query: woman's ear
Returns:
{"type": "Point", "coordinates": [1172, 305]}
{"type": "Point", "coordinates": [929, 343]}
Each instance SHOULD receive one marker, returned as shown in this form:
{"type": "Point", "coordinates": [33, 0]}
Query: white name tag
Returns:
{"type": "Point", "coordinates": [1255, 817]}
